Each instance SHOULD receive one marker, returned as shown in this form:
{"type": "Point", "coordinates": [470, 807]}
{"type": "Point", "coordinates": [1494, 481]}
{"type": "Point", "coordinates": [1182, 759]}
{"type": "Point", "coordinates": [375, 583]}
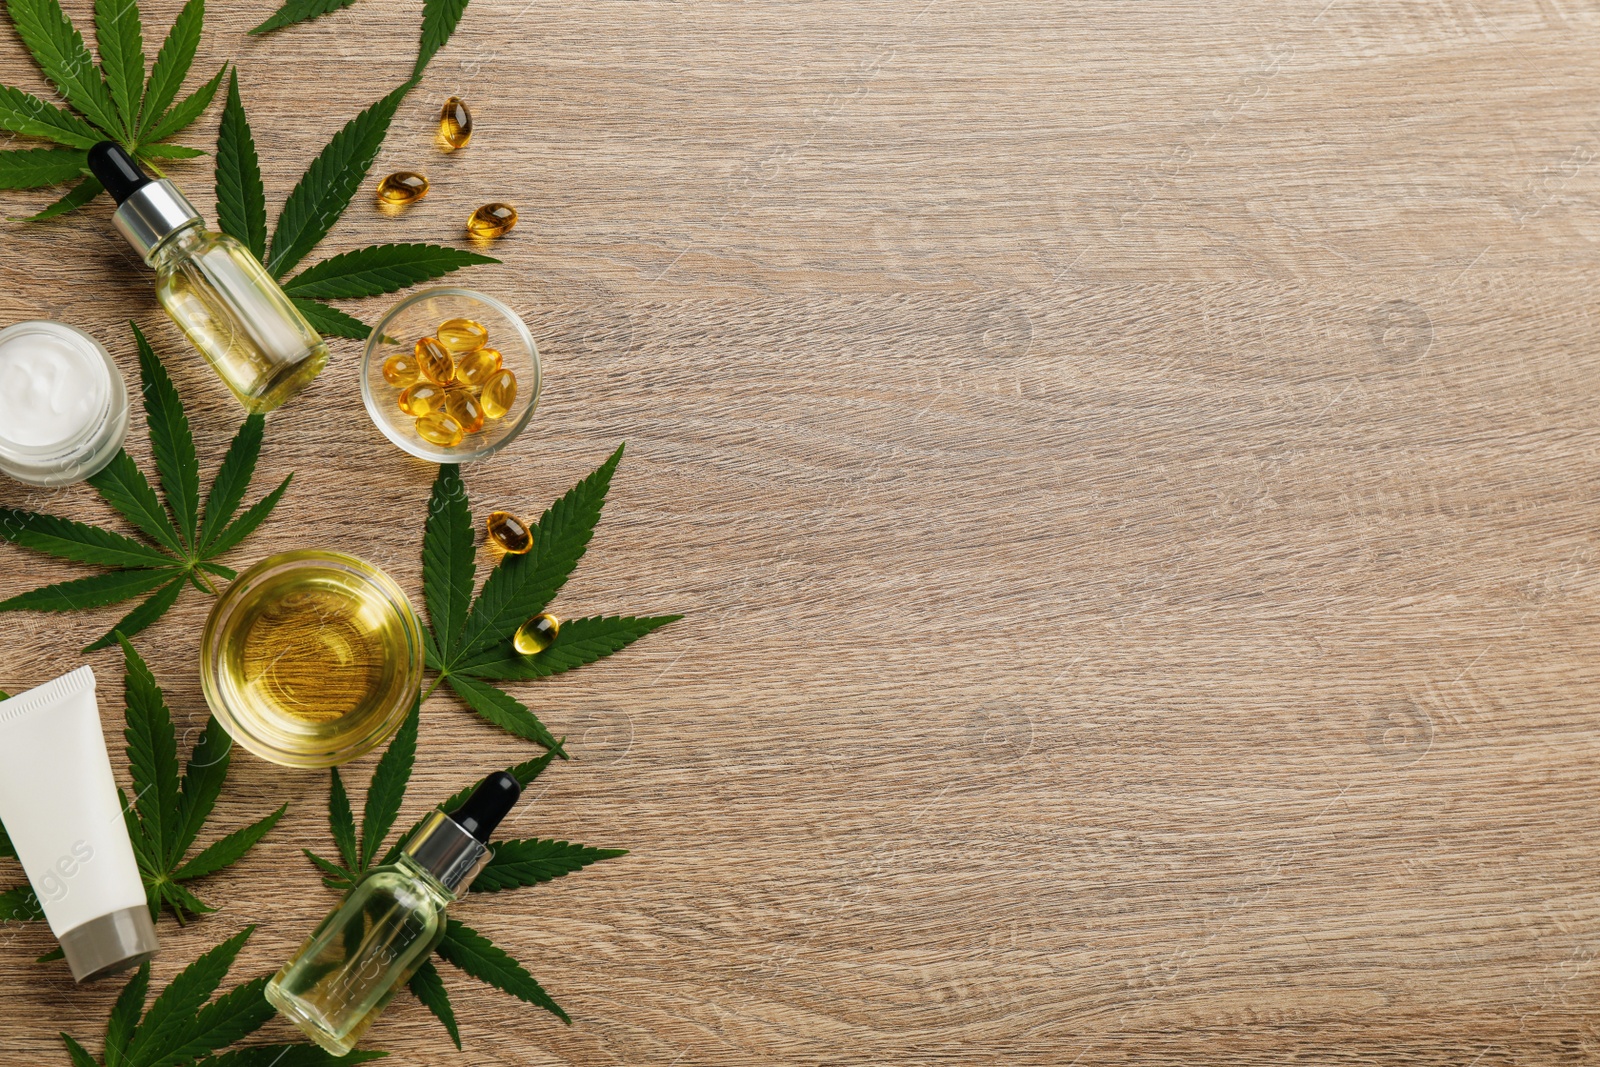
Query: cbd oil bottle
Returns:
{"type": "Point", "coordinates": [213, 287]}
{"type": "Point", "coordinates": [343, 976]}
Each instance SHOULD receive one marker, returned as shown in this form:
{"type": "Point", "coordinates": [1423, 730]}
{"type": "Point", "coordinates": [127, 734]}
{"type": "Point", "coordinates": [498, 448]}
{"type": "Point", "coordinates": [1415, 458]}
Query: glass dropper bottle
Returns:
{"type": "Point", "coordinates": [344, 975]}
{"type": "Point", "coordinates": [213, 287]}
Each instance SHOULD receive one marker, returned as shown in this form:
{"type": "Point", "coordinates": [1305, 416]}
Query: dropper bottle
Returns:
{"type": "Point", "coordinates": [390, 922]}
{"type": "Point", "coordinates": [213, 287]}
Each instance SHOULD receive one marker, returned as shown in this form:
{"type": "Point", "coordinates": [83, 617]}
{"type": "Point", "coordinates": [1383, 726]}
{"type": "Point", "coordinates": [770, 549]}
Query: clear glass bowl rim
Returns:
{"type": "Point", "coordinates": [421, 449]}
{"type": "Point", "coordinates": [318, 559]}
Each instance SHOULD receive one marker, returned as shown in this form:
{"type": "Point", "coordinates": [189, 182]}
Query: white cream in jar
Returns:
{"type": "Point", "coordinates": [63, 407]}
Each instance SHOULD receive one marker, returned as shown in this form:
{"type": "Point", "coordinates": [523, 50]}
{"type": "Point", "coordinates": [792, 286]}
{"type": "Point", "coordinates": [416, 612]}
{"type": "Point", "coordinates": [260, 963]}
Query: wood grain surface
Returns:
{"type": "Point", "coordinates": [1129, 471]}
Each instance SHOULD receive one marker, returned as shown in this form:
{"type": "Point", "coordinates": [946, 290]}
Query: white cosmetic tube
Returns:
{"type": "Point", "coordinates": [59, 804]}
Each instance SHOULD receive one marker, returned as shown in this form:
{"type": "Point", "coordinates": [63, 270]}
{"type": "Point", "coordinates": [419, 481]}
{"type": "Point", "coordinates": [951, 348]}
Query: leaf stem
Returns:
{"type": "Point", "coordinates": [204, 582]}
{"type": "Point", "coordinates": [429, 692]}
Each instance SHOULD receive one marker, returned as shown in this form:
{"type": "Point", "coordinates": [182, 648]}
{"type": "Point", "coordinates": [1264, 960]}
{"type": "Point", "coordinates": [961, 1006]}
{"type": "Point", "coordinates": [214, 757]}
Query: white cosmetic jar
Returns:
{"type": "Point", "coordinates": [63, 405]}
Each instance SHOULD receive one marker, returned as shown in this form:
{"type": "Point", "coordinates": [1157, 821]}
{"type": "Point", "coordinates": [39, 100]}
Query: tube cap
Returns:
{"type": "Point", "coordinates": [111, 943]}
{"type": "Point", "coordinates": [148, 211]}
{"type": "Point", "coordinates": [453, 847]}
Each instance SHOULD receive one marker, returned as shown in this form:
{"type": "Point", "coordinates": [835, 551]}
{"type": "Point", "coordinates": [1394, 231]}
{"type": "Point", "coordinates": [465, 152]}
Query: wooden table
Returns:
{"type": "Point", "coordinates": [1129, 472]}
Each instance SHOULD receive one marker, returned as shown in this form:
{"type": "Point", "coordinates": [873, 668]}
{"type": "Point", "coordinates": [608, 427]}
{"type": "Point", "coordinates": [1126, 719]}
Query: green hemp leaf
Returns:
{"type": "Point", "coordinates": [469, 641]}
{"type": "Point", "coordinates": [315, 204]}
{"type": "Point", "coordinates": [112, 101]}
{"type": "Point", "coordinates": [513, 864]}
{"type": "Point", "coordinates": [167, 813]}
{"type": "Point", "coordinates": [121, 105]}
{"type": "Point", "coordinates": [184, 539]}
{"type": "Point", "coordinates": [181, 1028]}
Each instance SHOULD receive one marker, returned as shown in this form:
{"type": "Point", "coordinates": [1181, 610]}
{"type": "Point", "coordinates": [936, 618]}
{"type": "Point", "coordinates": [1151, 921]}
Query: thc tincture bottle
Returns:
{"type": "Point", "coordinates": [217, 292]}
{"type": "Point", "coordinates": [345, 973]}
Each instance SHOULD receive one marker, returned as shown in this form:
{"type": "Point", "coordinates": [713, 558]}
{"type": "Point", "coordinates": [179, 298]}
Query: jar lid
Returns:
{"type": "Point", "coordinates": [63, 404]}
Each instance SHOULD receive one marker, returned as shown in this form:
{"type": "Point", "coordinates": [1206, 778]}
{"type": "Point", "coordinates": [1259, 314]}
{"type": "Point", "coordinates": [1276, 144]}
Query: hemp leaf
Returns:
{"type": "Point", "coordinates": [315, 204]}
{"type": "Point", "coordinates": [121, 105]}
{"type": "Point", "coordinates": [183, 540]}
{"type": "Point", "coordinates": [469, 641]}
{"type": "Point", "coordinates": [513, 864]}
{"type": "Point", "coordinates": [181, 1028]}
{"type": "Point", "coordinates": [167, 814]}
{"type": "Point", "coordinates": [115, 100]}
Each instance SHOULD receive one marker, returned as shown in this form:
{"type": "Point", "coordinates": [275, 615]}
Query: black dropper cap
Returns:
{"type": "Point", "coordinates": [117, 170]}
{"type": "Point", "coordinates": [488, 804]}
{"type": "Point", "coordinates": [148, 211]}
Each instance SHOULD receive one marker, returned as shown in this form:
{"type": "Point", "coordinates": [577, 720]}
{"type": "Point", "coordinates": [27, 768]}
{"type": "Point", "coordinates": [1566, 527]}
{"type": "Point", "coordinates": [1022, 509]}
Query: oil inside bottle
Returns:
{"type": "Point", "coordinates": [234, 313]}
{"type": "Point", "coordinates": [351, 966]}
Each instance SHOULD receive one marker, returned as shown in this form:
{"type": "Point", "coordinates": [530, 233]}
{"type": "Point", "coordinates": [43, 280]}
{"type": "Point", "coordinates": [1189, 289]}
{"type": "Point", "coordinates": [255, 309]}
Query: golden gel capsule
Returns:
{"type": "Point", "coordinates": [455, 124]}
{"type": "Point", "coordinates": [536, 635]}
{"type": "Point", "coordinates": [401, 370]}
{"type": "Point", "coordinates": [435, 361]}
{"type": "Point", "coordinates": [402, 187]}
{"type": "Point", "coordinates": [461, 336]}
{"type": "Point", "coordinates": [499, 393]}
{"type": "Point", "coordinates": [465, 408]}
{"type": "Point", "coordinates": [422, 398]}
{"type": "Point", "coordinates": [509, 533]}
{"type": "Point", "coordinates": [475, 368]}
{"type": "Point", "coordinates": [440, 428]}
{"type": "Point", "coordinates": [492, 220]}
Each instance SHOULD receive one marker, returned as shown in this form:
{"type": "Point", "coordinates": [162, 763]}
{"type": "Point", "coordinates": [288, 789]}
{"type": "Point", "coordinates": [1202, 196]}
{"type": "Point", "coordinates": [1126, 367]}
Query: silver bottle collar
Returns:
{"type": "Point", "coordinates": [446, 851]}
{"type": "Point", "coordinates": [152, 213]}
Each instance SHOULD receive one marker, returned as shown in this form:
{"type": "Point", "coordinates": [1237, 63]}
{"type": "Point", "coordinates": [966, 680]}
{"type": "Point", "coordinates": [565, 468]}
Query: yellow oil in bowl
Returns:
{"type": "Point", "coordinates": [311, 658]}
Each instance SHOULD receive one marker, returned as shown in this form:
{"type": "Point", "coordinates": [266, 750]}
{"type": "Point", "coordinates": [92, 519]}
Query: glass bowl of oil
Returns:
{"type": "Point", "coordinates": [391, 376]}
{"type": "Point", "coordinates": [311, 658]}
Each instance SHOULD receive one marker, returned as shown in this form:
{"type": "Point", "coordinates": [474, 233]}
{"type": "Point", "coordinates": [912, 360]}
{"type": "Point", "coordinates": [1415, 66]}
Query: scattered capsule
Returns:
{"type": "Point", "coordinates": [402, 187]}
{"type": "Point", "coordinates": [435, 361]}
{"type": "Point", "coordinates": [401, 370]}
{"type": "Point", "coordinates": [464, 408]}
{"type": "Point", "coordinates": [499, 393]}
{"type": "Point", "coordinates": [461, 336]}
{"type": "Point", "coordinates": [509, 533]}
{"type": "Point", "coordinates": [440, 428]}
{"type": "Point", "coordinates": [455, 124]}
{"type": "Point", "coordinates": [475, 368]}
{"type": "Point", "coordinates": [422, 398]}
{"type": "Point", "coordinates": [492, 220]}
{"type": "Point", "coordinates": [537, 634]}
